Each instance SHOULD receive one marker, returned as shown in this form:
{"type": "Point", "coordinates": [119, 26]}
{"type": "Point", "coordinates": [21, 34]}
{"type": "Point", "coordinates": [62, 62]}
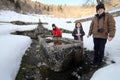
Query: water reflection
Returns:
{"type": "Point", "coordinates": [55, 42]}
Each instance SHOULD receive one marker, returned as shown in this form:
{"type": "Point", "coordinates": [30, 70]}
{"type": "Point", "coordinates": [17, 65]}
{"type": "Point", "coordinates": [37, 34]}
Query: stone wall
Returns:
{"type": "Point", "coordinates": [43, 61]}
{"type": "Point", "coordinates": [40, 53]}
{"type": "Point", "coordinates": [56, 54]}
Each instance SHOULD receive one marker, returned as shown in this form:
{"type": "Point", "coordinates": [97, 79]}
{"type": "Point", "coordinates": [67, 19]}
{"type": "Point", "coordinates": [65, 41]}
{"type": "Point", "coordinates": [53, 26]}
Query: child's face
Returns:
{"type": "Point", "coordinates": [78, 25]}
{"type": "Point", "coordinates": [53, 27]}
{"type": "Point", "coordinates": [100, 11]}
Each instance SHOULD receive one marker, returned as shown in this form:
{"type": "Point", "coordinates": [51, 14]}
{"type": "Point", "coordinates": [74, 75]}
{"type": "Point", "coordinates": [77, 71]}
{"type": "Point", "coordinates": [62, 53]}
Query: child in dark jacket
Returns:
{"type": "Point", "coordinates": [78, 32]}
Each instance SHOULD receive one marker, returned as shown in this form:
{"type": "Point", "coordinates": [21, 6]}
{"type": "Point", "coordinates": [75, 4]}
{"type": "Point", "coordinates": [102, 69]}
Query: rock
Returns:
{"type": "Point", "coordinates": [61, 55]}
{"type": "Point", "coordinates": [54, 58]}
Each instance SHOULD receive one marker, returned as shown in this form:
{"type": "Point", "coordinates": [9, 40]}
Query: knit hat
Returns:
{"type": "Point", "coordinates": [53, 25]}
{"type": "Point", "coordinates": [99, 6]}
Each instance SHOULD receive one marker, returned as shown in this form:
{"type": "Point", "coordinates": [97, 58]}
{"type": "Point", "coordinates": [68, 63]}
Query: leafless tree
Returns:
{"type": "Point", "coordinates": [87, 1]}
{"type": "Point", "coordinates": [104, 1]}
{"type": "Point", "coordinates": [100, 1]}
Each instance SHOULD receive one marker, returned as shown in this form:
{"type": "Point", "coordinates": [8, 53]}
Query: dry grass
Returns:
{"type": "Point", "coordinates": [66, 12]}
{"type": "Point", "coordinates": [77, 11]}
{"type": "Point", "coordinates": [73, 12]}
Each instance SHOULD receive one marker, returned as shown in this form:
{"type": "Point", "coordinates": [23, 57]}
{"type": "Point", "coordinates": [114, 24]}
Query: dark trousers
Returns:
{"type": "Point", "coordinates": [99, 46]}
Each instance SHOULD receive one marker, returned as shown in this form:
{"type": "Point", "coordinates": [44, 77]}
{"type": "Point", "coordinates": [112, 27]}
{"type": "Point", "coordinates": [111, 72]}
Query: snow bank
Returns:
{"type": "Point", "coordinates": [12, 49]}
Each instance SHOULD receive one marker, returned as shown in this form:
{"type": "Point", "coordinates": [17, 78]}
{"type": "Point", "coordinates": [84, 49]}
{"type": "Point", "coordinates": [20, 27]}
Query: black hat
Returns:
{"type": "Point", "coordinates": [53, 25]}
{"type": "Point", "coordinates": [99, 6]}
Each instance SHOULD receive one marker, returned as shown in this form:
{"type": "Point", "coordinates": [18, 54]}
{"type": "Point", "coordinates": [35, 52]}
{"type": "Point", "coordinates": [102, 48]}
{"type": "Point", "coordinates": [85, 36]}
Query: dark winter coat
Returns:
{"type": "Point", "coordinates": [76, 32]}
{"type": "Point", "coordinates": [106, 22]}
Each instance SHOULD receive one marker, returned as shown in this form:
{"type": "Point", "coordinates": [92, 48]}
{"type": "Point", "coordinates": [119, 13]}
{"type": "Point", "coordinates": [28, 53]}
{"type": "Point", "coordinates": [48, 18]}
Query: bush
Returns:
{"type": "Point", "coordinates": [17, 5]}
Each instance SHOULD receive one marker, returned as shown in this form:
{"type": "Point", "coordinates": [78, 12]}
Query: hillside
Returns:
{"type": "Point", "coordinates": [79, 11]}
{"type": "Point", "coordinates": [64, 11]}
{"type": "Point", "coordinates": [23, 6]}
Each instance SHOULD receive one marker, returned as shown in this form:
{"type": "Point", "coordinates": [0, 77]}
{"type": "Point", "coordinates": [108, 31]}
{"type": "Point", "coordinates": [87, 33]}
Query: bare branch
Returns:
{"type": "Point", "coordinates": [100, 1]}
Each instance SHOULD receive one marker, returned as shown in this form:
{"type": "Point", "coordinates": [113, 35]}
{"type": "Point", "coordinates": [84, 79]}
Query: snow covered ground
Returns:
{"type": "Point", "coordinates": [112, 52]}
{"type": "Point", "coordinates": [14, 46]}
{"type": "Point", "coordinates": [11, 51]}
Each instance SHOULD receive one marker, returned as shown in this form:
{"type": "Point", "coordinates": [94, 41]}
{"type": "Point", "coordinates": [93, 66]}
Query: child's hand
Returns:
{"type": "Point", "coordinates": [88, 36]}
{"type": "Point", "coordinates": [110, 38]}
{"type": "Point", "coordinates": [78, 34]}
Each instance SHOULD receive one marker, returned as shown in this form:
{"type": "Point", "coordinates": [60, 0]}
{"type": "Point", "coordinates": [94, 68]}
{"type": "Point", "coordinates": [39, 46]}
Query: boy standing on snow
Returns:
{"type": "Point", "coordinates": [102, 28]}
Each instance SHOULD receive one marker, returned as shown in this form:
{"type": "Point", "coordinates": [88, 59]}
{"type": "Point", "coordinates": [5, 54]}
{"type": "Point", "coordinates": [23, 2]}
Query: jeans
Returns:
{"type": "Point", "coordinates": [99, 46]}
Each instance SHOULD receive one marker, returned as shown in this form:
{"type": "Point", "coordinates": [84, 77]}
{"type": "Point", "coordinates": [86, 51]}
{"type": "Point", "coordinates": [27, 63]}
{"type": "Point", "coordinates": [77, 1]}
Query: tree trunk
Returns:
{"type": "Point", "coordinates": [104, 1]}
{"type": "Point", "coordinates": [100, 1]}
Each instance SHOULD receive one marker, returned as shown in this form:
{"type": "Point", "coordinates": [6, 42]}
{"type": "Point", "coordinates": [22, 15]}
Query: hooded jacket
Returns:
{"type": "Point", "coordinates": [105, 22]}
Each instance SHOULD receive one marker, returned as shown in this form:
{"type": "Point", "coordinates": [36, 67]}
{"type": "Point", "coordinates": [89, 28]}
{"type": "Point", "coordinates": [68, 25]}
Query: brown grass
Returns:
{"type": "Point", "coordinates": [73, 12]}
{"type": "Point", "coordinates": [77, 11]}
